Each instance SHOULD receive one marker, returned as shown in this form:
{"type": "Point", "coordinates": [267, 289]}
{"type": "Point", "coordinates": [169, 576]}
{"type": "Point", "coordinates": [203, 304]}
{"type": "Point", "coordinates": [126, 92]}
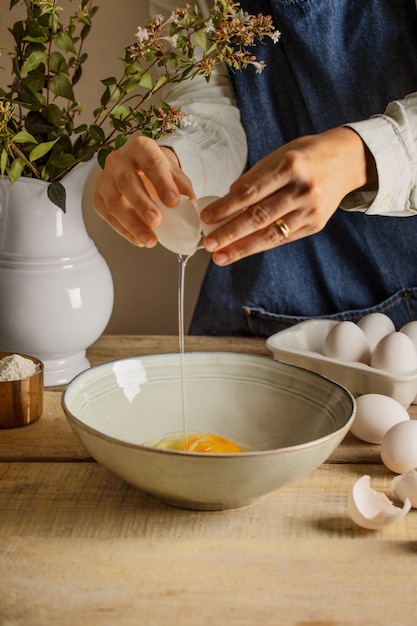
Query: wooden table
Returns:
{"type": "Point", "coordinates": [78, 546]}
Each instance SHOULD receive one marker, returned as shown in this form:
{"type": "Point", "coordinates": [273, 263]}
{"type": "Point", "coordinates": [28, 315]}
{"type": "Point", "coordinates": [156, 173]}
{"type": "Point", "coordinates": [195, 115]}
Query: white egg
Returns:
{"type": "Point", "coordinates": [347, 342]}
{"type": "Point", "coordinates": [180, 229]}
{"type": "Point", "coordinates": [375, 415]}
{"type": "Point", "coordinates": [372, 509]}
{"type": "Point", "coordinates": [375, 326]}
{"type": "Point", "coordinates": [410, 330]}
{"type": "Point", "coordinates": [405, 487]}
{"type": "Point", "coordinates": [395, 353]}
{"type": "Point", "coordinates": [399, 447]}
{"type": "Point", "coordinates": [201, 204]}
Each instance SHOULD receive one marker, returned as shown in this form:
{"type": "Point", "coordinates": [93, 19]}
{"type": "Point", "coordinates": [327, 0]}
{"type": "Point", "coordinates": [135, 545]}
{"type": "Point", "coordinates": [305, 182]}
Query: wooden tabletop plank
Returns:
{"type": "Point", "coordinates": [87, 500]}
{"type": "Point", "coordinates": [78, 545]}
{"type": "Point", "coordinates": [110, 347]}
{"type": "Point", "coordinates": [50, 438]}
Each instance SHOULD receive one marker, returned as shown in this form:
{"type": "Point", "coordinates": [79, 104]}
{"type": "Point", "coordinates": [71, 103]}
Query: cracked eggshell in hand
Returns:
{"type": "Point", "coordinates": [201, 204]}
{"type": "Point", "coordinates": [180, 229]}
{"type": "Point", "coordinates": [405, 487]}
{"type": "Point", "coordinates": [375, 415]}
{"type": "Point", "coordinates": [372, 509]}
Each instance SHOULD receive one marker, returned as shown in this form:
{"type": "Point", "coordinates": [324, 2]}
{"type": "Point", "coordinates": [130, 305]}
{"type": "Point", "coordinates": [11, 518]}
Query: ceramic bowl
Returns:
{"type": "Point", "coordinates": [302, 345]}
{"type": "Point", "coordinates": [292, 418]}
{"type": "Point", "coordinates": [21, 401]}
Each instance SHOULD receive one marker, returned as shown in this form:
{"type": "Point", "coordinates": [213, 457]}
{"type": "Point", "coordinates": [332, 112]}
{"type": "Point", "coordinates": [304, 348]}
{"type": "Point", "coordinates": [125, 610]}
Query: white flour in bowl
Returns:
{"type": "Point", "coordinates": [16, 367]}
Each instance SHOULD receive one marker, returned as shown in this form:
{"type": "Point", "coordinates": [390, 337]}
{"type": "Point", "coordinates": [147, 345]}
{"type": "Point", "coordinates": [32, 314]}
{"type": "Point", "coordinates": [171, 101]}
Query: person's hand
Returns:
{"type": "Point", "coordinates": [132, 177]}
{"type": "Point", "coordinates": [290, 194]}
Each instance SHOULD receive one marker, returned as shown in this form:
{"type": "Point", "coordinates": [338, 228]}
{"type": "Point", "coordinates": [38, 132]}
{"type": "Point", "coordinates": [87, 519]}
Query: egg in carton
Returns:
{"type": "Point", "coordinates": [368, 357]}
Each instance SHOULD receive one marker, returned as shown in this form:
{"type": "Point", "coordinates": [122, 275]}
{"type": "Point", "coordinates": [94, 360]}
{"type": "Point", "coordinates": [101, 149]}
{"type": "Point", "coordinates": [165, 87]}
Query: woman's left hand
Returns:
{"type": "Point", "coordinates": [289, 194]}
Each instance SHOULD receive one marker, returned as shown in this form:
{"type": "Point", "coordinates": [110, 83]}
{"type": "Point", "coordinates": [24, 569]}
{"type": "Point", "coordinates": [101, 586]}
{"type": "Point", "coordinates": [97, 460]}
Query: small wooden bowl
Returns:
{"type": "Point", "coordinates": [21, 401]}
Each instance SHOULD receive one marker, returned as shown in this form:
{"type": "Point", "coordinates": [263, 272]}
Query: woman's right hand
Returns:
{"type": "Point", "coordinates": [132, 178]}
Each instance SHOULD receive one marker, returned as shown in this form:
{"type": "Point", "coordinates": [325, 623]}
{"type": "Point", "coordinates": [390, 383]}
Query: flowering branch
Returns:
{"type": "Point", "coordinates": [39, 136]}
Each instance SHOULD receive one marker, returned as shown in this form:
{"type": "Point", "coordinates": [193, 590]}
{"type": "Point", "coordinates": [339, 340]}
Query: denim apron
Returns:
{"type": "Point", "coordinates": [338, 61]}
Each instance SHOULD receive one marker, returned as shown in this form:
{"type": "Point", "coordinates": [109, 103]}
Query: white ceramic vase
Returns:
{"type": "Point", "coordinates": [56, 290]}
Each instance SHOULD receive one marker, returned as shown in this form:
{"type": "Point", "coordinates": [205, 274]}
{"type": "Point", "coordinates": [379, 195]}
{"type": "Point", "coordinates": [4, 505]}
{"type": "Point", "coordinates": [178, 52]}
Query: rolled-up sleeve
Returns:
{"type": "Point", "coordinates": [212, 152]}
{"type": "Point", "coordinates": [392, 140]}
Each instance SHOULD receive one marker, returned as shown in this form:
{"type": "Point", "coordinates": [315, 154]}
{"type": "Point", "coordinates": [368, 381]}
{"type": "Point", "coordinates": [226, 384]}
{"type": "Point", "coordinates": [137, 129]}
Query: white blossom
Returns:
{"type": "Point", "coordinates": [259, 66]}
{"type": "Point", "coordinates": [173, 18]}
{"type": "Point", "coordinates": [209, 28]}
{"type": "Point", "coordinates": [189, 120]}
{"type": "Point", "coordinates": [141, 34]}
{"type": "Point", "coordinates": [172, 40]}
{"type": "Point", "coordinates": [244, 15]}
{"type": "Point", "coordinates": [275, 36]}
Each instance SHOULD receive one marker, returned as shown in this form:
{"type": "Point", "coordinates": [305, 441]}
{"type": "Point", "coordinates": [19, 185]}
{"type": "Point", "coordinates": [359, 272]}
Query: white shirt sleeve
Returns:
{"type": "Point", "coordinates": [213, 153]}
{"type": "Point", "coordinates": [392, 139]}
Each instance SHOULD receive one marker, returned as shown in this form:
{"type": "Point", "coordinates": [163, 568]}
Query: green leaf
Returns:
{"type": "Point", "coordinates": [77, 75]}
{"type": "Point", "coordinates": [200, 38]}
{"type": "Point", "coordinates": [58, 195]}
{"type": "Point", "coordinates": [24, 137]}
{"type": "Point", "coordinates": [63, 41]}
{"type": "Point", "coordinates": [60, 85]}
{"type": "Point", "coordinates": [62, 161]}
{"type": "Point", "coordinates": [36, 124]}
{"type": "Point", "coordinates": [35, 33]}
{"type": "Point", "coordinates": [146, 80]}
{"type": "Point", "coordinates": [33, 82]}
{"type": "Point", "coordinates": [80, 129]}
{"type": "Point", "coordinates": [33, 61]}
{"type": "Point", "coordinates": [211, 49]}
{"type": "Point", "coordinates": [96, 133]}
{"type": "Point", "coordinates": [102, 155]}
{"type": "Point", "coordinates": [29, 97]}
{"type": "Point", "coordinates": [53, 114]}
{"type": "Point", "coordinates": [119, 125]}
{"type": "Point", "coordinates": [18, 31]}
{"type": "Point", "coordinates": [120, 141]}
{"type": "Point", "coordinates": [3, 161]}
{"type": "Point", "coordinates": [161, 81]}
{"type": "Point", "coordinates": [16, 170]}
{"type": "Point", "coordinates": [41, 149]}
{"type": "Point", "coordinates": [87, 153]}
{"type": "Point", "coordinates": [119, 112]}
{"type": "Point", "coordinates": [57, 63]}
{"type": "Point", "coordinates": [109, 81]}
{"type": "Point", "coordinates": [131, 83]}
{"type": "Point", "coordinates": [85, 30]}
{"type": "Point", "coordinates": [115, 93]}
{"type": "Point", "coordinates": [105, 97]}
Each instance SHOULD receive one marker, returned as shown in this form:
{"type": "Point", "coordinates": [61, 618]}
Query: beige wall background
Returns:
{"type": "Point", "coordinates": [145, 281]}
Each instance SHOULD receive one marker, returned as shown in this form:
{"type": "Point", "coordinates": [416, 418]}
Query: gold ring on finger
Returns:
{"type": "Point", "coordinates": [285, 231]}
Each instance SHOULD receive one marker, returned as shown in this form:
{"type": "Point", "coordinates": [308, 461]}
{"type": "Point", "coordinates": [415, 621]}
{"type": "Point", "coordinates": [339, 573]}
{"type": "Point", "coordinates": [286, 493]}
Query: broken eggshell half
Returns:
{"type": "Point", "coordinates": [181, 229]}
{"type": "Point", "coordinates": [372, 509]}
{"type": "Point", "coordinates": [405, 487]}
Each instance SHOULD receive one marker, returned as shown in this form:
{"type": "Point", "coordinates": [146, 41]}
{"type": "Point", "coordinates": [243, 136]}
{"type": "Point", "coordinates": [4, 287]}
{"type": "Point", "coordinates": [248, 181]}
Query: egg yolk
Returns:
{"type": "Point", "coordinates": [208, 442]}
